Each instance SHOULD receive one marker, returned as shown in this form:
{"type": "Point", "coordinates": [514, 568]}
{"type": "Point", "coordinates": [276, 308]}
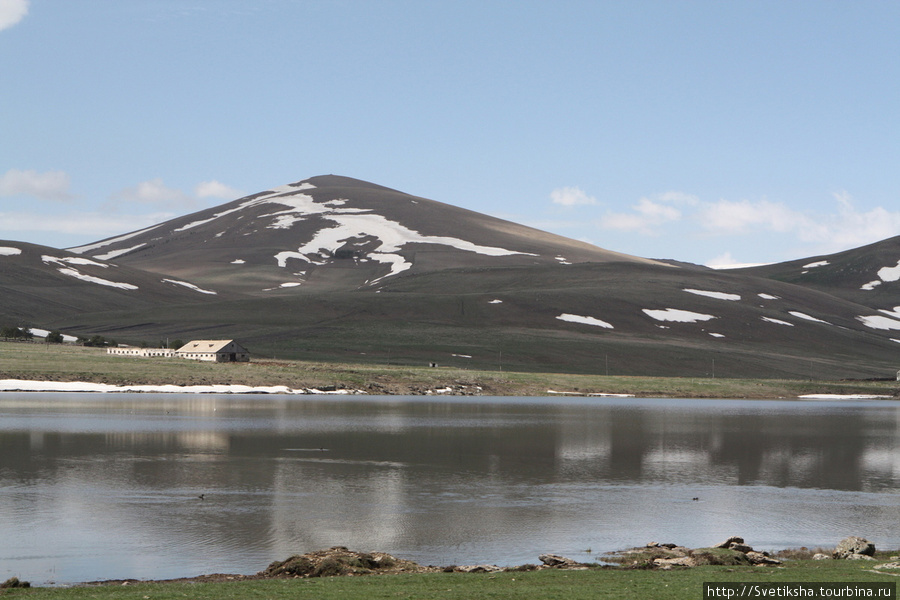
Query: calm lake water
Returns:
{"type": "Point", "coordinates": [107, 486]}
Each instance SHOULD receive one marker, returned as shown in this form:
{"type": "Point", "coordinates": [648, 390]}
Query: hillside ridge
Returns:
{"type": "Point", "coordinates": [338, 269]}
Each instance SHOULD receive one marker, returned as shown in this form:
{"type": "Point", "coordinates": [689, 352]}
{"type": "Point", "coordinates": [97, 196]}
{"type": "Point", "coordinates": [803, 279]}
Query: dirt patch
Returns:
{"type": "Point", "coordinates": [341, 561]}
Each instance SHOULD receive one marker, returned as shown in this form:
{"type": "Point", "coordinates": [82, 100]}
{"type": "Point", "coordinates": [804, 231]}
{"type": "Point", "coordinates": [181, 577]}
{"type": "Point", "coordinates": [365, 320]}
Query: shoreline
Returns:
{"type": "Point", "coordinates": [37, 385]}
{"type": "Point", "coordinates": [340, 561]}
{"type": "Point", "coordinates": [43, 368]}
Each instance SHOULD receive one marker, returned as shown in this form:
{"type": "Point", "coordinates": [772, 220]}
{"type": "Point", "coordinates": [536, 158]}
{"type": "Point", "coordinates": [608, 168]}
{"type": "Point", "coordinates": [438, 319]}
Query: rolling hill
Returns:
{"type": "Point", "coordinates": [42, 284]}
{"type": "Point", "coordinates": [867, 275]}
{"type": "Point", "coordinates": [333, 233]}
{"type": "Point", "coordinates": [333, 268]}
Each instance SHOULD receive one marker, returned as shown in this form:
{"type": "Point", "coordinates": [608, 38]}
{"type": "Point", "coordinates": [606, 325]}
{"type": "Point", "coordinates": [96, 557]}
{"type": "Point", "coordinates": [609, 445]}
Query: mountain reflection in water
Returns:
{"type": "Point", "coordinates": [108, 486]}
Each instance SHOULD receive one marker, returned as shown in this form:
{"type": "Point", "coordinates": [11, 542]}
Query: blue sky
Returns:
{"type": "Point", "coordinates": [710, 132]}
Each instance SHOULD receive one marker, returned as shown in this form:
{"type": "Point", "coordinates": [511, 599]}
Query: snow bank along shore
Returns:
{"type": "Point", "coordinates": [25, 385]}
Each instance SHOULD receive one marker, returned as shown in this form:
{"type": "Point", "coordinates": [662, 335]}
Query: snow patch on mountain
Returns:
{"type": "Point", "coordinates": [769, 297]}
{"type": "Point", "coordinates": [894, 314]}
{"type": "Point", "coordinates": [61, 264]}
{"type": "Point", "coordinates": [73, 260]}
{"type": "Point", "coordinates": [288, 284]}
{"type": "Point", "coordinates": [879, 322]}
{"type": "Point", "coordinates": [379, 238]}
{"type": "Point", "coordinates": [584, 320]}
{"type": "Point", "coordinates": [98, 280]}
{"type": "Point", "coordinates": [813, 265]}
{"type": "Point", "coordinates": [397, 262]}
{"type": "Point", "coordinates": [776, 321]}
{"type": "Point", "coordinates": [110, 242]}
{"type": "Point", "coordinates": [189, 286]}
{"type": "Point", "coordinates": [677, 315]}
{"type": "Point", "coordinates": [389, 235]}
{"type": "Point", "coordinates": [114, 253]}
{"type": "Point", "coordinates": [806, 317]}
{"type": "Point", "coordinates": [717, 295]}
{"type": "Point", "coordinates": [885, 275]}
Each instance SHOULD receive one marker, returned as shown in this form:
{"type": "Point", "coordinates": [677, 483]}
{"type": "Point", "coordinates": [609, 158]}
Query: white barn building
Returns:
{"type": "Point", "coordinates": [142, 352]}
{"type": "Point", "coordinates": [214, 351]}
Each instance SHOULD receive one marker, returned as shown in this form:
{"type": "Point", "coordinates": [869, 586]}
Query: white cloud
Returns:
{"type": "Point", "coordinates": [657, 212]}
{"type": "Point", "coordinates": [216, 189]}
{"type": "Point", "coordinates": [793, 232]}
{"type": "Point", "coordinates": [851, 228]}
{"type": "Point", "coordinates": [51, 185]}
{"type": "Point", "coordinates": [155, 193]}
{"type": "Point", "coordinates": [728, 217]}
{"type": "Point", "coordinates": [820, 232]}
{"type": "Point", "coordinates": [95, 225]}
{"type": "Point", "coordinates": [11, 12]}
{"type": "Point", "coordinates": [649, 214]}
{"type": "Point", "coordinates": [147, 203]}
{"type": "Point", "coordinates": [571, 196]}
{"type": "Point", "coordinates": [829, 232]}
{"type": "Point", "coordinates": [673, 197]}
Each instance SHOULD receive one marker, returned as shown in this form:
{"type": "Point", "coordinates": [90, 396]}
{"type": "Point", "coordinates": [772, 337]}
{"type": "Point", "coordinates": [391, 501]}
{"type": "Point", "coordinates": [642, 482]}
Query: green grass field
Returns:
{"type": "Point", "coordinates": [53, 362]}
{"type": "Point", "coordinates": [612, 583]}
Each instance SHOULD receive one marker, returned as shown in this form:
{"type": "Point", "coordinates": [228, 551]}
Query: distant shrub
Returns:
{"type": "Point", "coordinates": [15, 333]}
{"type": "Point", "coordinates": [97, 341]}
{"type": "Point", "coordinates": [14, 582]}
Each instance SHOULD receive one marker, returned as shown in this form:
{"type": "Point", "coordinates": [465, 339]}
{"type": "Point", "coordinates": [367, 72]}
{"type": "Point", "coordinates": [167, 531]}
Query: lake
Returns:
{"type": "Point", "coordinates": [103, 486]}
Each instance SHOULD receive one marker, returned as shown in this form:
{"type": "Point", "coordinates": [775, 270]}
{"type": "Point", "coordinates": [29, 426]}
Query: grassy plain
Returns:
{"type": "Point", "coordinates": [53, 362]}
{"type": "Point", "coordinates": [593, 584]}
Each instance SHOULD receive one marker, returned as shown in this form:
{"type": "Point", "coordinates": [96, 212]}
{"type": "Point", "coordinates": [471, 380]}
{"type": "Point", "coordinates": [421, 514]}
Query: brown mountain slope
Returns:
{"type": "Point", "coordinates": [39, 284]}
{"type": "Point", "coordinates": [868, 275]}
{"type": "Point", "coordinates": [334, 233]}
{"type": "Point", "coordinates": [333, 268]}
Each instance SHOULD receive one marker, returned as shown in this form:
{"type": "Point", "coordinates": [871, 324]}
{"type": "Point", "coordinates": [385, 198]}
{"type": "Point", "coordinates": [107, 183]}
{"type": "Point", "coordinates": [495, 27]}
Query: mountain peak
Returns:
{"type": "Point", "coordinates": [334, 232]}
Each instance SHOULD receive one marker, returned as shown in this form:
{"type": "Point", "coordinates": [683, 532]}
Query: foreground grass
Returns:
{"type": "Point", "coordinates": [74, 363]}
{"type": "Point", "coordinates": [572, 585]}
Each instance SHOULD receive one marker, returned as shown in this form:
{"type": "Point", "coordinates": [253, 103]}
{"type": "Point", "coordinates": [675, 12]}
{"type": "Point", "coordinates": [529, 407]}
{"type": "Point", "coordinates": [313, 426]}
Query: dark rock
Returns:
{"type": "Point", "coordinates": [732, 540]}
